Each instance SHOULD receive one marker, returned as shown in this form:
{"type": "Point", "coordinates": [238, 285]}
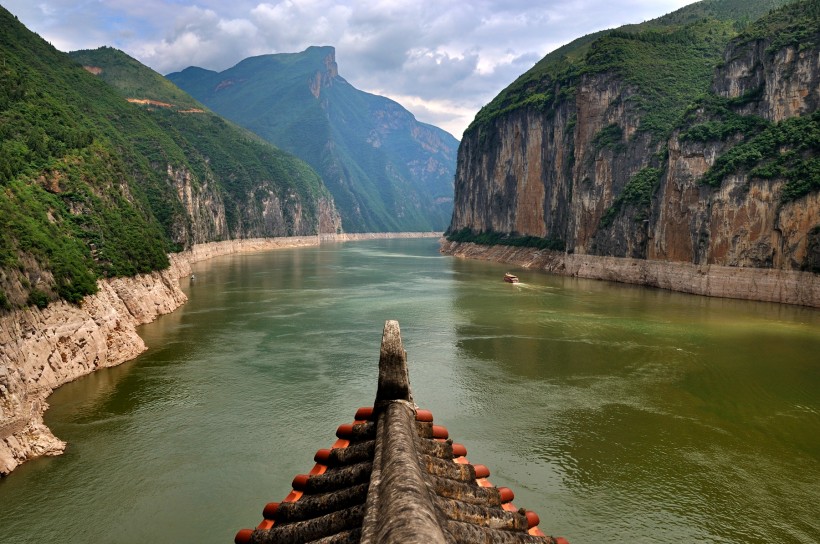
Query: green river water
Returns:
{"type": "Point", "coordinates": [617, 413]}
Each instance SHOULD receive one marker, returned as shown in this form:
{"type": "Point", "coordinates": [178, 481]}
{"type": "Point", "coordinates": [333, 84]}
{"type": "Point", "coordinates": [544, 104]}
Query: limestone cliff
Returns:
{"type": "Point", "coordinates": [262, 212]}
{"type": "Point", "coordinates": [41, 349]}
{"type": "Point", "coordinates": [579, 162]}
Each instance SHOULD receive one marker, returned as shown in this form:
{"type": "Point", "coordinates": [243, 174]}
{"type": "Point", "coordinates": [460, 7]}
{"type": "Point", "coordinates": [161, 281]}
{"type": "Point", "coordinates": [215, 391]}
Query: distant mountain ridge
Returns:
{"type": "Point", "coordinates": [386, 170]}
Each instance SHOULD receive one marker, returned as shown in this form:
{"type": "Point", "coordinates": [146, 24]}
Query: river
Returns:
{"type": "Point", "coordinates": [615, 412]}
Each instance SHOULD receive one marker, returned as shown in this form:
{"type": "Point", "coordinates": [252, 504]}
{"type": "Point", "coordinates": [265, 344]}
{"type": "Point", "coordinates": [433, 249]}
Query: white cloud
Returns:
{"type": "Point", "coordinates": [441, 59]}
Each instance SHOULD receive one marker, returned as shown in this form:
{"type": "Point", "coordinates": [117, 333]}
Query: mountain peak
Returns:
{"type": "Point", "coordinates": [323, 78]}
{"type": "Point", "coordinates": [386, 171]}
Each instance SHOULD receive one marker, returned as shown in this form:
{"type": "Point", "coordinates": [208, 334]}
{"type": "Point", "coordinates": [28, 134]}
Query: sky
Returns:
{"type": "Point", "coordinates": [441, 59]}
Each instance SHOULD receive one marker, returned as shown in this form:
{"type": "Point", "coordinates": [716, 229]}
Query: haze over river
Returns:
{"type": "Point", "coordinates": [617, 413]}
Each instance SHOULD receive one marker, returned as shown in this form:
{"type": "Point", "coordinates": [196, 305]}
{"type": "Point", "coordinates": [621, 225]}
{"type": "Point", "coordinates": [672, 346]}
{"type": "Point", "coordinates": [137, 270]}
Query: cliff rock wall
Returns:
{"type": "Point", "coordinates": [561, 173]}
{"type": "Point", "coordinates": [261, 213]}
{"type": "Point", "coordinates": [43, 349]}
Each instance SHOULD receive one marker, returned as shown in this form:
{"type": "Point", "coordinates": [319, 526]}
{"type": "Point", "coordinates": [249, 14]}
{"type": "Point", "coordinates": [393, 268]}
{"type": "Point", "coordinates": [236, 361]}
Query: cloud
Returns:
{"type": "Point", "coordinates": [441, 59]}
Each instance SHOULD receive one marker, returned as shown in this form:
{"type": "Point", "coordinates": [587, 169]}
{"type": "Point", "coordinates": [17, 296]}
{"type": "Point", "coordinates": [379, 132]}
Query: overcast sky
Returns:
{"type": "Point", "coordinates": [440, 59]}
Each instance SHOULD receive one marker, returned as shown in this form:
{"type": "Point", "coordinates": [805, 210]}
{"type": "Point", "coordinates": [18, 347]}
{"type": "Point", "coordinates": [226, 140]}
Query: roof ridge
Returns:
{"type": "Point", "coordinates": [420, 487]}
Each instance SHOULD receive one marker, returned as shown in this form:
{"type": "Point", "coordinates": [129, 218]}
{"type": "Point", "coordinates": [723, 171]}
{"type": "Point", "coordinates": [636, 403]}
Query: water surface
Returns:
{"type": "Point", "coordinates": [615, 412]}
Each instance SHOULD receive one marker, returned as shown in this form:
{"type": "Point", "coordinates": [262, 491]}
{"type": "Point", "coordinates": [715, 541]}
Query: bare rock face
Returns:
{"type": "Point", "coordinates": [557, 173]}
{"type": "Point", "coordinates": [204, 207]}
{"type": "Point", "coordinates": [43, 349]}
{"type": "Point", "coordinates": [264, 213]}
{"type": "Point", "coordinates": [787, 81]}
{"type": "Point", "coordinates": [742, 222]}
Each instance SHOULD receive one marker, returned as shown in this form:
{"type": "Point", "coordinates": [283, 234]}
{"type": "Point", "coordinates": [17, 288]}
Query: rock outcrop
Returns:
{"type": "Point", "coordinates": [45, 348]}
{"type": "Point", "coordinates": [41, 349]}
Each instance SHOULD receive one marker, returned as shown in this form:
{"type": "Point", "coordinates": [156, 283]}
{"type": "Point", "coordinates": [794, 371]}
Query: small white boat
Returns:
{"type": "Point", "coordinates": [510, 278]}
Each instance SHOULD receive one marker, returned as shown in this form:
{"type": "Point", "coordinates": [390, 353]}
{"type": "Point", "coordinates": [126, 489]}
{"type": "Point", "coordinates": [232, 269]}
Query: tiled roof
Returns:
{"type": "Point", "coordinates": [394, 477]}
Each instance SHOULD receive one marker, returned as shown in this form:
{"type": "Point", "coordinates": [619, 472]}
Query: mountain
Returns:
{"type": "Point", "coordinates": [690, 138]}
{"type": "Point", "coordinates": [266, 191]}
{"type": "Point", "coordinates": [94, 186]}
{"type": "Point", "coordinates": [386, 171]}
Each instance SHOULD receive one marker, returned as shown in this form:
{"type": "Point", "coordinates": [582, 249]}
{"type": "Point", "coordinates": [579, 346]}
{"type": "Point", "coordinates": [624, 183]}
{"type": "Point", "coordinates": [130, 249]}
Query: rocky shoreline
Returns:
{"type": "Point", "coordinates": [42, 349]}
{"type": "Point", "coordinates": [760, 284]}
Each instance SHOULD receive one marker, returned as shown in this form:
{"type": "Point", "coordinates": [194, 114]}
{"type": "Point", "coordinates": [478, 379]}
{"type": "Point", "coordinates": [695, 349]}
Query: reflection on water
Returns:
{"type": "Point", "coordinates": [615, 412]}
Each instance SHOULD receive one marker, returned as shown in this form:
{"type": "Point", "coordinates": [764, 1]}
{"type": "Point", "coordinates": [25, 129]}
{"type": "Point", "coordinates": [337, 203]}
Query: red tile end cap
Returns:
{"type": "Point", "coordinates": [440, 432]}
{"type": "Point", "coordinates": [424, 416]}
{"type": "Point", "coordinates": [345, 430]}
{"type": "Point", "coordinates": [507, 494]}
{"type": "Point", "coordinates": [243, 536]}
{"type": "Point", "coordinates": [300, 482]}
{"type": "Point", "coordinates": [459, 450]}
{"type": "Point", "coordinates": [269, 512]}
{"type": "Point", "coordinates": [481, 471]}
{"type": "Point", "coordinates": [560, 540]}
{"type": "Point", "coordinates": [365, 413]}
{"type": "Point", "coordinates": [322, 456]}
{"type": "Point", "coordinates": [532, 519]}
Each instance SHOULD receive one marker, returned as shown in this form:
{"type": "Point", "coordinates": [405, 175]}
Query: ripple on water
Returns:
{"type": "Point", "coordinates": [616, 413]}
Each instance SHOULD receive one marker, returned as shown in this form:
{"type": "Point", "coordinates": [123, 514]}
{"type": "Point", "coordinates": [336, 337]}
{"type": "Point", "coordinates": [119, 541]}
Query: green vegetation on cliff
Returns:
{"type": "Point", "coordinates": [72, 200]}
{"type": "Point", "coordinates": [132, 78]}
{"type": "Point", "coordinates": [795, 25]}
{"type": "Point", "coordinates": [638, 192]}
{"type": "Point", "coordinates": [669, 61]}
{"type": "Point", "coordinates": [788, 150]}
{"type": "Point", "coordinates": [245, 166]}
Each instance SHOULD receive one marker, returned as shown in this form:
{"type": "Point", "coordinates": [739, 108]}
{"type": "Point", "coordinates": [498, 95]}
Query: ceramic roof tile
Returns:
{"type": "Point", "coordinates": [393, 476]}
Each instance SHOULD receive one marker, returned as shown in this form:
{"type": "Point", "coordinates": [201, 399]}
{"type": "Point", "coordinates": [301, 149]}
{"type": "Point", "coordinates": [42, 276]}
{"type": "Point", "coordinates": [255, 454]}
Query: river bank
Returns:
{"type": "Point", "coordinates": [759, 284]}
{"type": "Point", "coordinates": [42, 349]}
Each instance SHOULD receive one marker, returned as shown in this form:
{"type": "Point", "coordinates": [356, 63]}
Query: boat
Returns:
{"type": "Point", "coordinates": [510, 278]}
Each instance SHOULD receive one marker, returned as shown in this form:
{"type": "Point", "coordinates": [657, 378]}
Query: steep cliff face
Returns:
{"type": "Point", "coordinates": [555, 176]}
{"type": "Point", "coordinates": [204, 209]}
{"type": "Point", "coordinates": [745, 221]}
{"type": "Point", "coordinates": [588, 168]}
{"type": "Point", "coordinates": [785, 81]}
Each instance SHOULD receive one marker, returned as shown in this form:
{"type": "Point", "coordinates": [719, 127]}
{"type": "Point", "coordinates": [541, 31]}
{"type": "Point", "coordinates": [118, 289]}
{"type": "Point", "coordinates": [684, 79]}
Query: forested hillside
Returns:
{"type": "Point", "coordinates": [94, 186]}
